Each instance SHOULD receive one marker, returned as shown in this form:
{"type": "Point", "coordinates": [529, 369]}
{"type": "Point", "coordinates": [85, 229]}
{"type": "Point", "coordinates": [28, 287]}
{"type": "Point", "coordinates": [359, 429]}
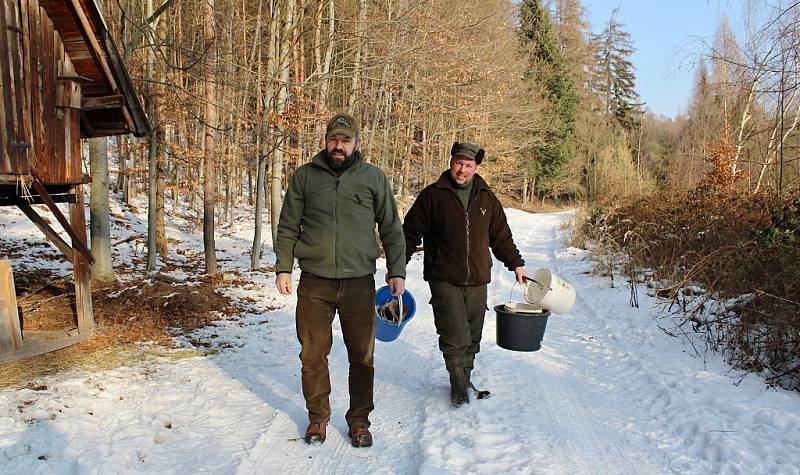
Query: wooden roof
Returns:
{"type": "Point", "coordinates": [110, 105]}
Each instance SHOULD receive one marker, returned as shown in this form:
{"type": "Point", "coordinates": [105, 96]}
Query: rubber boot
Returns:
{"type": "Point", "coordinates": [458, 386]}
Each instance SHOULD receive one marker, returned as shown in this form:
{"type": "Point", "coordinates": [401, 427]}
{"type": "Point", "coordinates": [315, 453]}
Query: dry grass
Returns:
{"type": "Point", "coordinates": [731, 245]}
{"type": "Point", "coordinates": [94, 354]}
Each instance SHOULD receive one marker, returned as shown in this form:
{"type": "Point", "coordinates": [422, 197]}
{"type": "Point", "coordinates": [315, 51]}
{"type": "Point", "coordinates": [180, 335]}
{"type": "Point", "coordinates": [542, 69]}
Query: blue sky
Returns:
{"type": "Point", "coordinates": [666, 35]}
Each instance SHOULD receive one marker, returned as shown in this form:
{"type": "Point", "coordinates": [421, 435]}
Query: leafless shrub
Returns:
{"type": "Point", "coordinates": [727, 262]}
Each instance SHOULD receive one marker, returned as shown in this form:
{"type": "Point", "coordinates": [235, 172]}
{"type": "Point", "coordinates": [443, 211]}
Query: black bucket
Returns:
{"type": "Point", "coordinates": [519, 331]}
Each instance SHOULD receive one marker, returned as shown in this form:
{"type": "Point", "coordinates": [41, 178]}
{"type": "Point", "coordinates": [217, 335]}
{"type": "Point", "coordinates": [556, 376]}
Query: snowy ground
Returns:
{"type": "Point", "coordinates": [608, 393]}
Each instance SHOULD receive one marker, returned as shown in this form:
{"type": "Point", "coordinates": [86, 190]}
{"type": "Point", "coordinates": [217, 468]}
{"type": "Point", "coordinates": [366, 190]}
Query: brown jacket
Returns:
{"type": "Point", "coordinates": [439, 220]}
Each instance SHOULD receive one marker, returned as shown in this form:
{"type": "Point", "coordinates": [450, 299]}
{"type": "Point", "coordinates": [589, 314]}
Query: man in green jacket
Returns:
{"type": "Point", "coordinates": [328, 223]}
{"type": "Point", "coordinates": [458, 219]}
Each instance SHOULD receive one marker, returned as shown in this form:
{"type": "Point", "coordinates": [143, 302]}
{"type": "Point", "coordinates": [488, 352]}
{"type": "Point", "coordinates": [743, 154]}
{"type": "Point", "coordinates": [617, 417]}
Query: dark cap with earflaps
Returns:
{"type": "Point", "coordinates": [467, 150]}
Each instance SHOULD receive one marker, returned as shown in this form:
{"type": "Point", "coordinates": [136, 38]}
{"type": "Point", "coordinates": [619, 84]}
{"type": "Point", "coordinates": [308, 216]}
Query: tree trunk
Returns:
{"type": "Point", "coordinates": [280, 106]}
{"type": "Point", "coordinates": [209, 180]}
{"type": "Point", "coordinates": [318, 37]}
{"type": "Point", "coordinates": [152, 175]}
{"type": "Point", "coordinates": [255, 255]}
{"type": "Point", "coordinates": [229, 191]}
{"type": "Point", "coordinates": [161, 232]}
{"type": "Point", "coordinates": [356, 79]}
{"type": "Point", "coordinates": [120, 182]}
{"type": "Point", "coordinates": [99, 214]}
{"type": "Point", "coordinates": [525, 190]}
{"type": "Point", "coordinates": [746, 116]}
{"type": "Point", "coordinates": [409, 138]}
{"type": "Point", "coordinates": [261, 158]}
{"type": "Point", "coordinates": [324, 100]}
{"type": "Point", "coordinates": [772, 148]}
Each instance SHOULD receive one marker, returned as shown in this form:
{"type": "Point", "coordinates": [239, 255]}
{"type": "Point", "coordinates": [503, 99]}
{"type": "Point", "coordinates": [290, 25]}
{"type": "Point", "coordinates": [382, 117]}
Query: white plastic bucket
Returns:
{"type": "Point", "coordinates": [550, 291]}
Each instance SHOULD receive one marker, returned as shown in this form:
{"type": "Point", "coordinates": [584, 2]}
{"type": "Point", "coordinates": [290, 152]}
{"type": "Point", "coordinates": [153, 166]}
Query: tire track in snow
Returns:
{"type": "Point", "coordinates": [409, 366]}
{"type": "Point", "coordinates": [396, 422]}
{"type": "Point", "coordinates": [489, 435]}
{"type": "Point", "coordinates": [581, 437]}
{"type": "Point", "coordinates": [281, 449]}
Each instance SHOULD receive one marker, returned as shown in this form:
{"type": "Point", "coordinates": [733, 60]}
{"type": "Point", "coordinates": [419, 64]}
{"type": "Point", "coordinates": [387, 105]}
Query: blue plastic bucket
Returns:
{"type": "Point", "coordinates": [389, 331]}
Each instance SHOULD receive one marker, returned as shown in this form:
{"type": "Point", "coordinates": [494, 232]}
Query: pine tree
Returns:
{"type": "Point", "coordinates": [615, 80]}
{"type": "Point", "coordinates": [550, 72]}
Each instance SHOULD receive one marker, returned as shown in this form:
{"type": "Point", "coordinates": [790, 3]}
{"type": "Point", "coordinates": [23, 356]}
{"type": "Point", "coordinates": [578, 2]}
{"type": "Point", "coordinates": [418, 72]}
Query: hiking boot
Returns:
{"type": "Point", "coordinates": [458, 387]}
{"type": "Point", "coordinates": [315, 434]}
{"type": "Point", "coordinates": [360, 437]}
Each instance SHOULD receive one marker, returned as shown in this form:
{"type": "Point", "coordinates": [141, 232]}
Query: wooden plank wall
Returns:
{"type": "Point", "coordinates": [41, 97]}
{"type": "Point", "coordinates": [15, 117]}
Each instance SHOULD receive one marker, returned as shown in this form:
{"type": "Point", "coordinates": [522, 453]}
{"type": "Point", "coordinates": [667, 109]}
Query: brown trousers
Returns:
{"type": "Point", "coordinates": [458, 312]}
{"type": "Point", "coordinates": [318, 300]}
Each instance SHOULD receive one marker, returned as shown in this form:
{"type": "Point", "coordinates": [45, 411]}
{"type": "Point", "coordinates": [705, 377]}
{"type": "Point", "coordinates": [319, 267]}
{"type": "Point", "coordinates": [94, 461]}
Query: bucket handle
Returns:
{"type": "Point", "coordinates": [541, 285]}
{"type": "Point", "coordinates": [400, 318]}
{"type": "Point", "coordinates": [529, 279]}
{"type": "Point", "coordinates": [511, 294]}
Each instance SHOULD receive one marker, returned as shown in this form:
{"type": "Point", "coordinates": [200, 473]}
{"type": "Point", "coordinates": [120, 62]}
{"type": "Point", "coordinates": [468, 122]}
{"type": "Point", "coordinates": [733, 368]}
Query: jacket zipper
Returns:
{"type": "Point", "coordinates": [335, 211]}
{"type": "Point", "coordinates": [466, 220]}
{"type": "Point", "coordinates": [335, 226]}
{"type": "Point", "coordinates": [467, 213]}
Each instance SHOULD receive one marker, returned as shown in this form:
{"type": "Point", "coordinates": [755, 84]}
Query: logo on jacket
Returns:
{"type": "Point", "coordinates": [483, 211]}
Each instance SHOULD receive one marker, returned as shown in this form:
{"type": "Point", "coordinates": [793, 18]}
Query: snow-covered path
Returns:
{"type": "Point", "coordinates": [608, 393]}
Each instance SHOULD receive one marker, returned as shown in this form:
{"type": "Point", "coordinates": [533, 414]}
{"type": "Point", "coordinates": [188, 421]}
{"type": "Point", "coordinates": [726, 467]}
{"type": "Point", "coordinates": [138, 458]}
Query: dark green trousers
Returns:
{"type": "Point", "coordinates": [318, 300]}
{"type": "Point", "coordinates": [458, 312]}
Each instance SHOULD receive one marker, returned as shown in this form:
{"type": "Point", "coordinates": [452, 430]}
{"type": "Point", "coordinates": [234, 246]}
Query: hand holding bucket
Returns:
{"type": "Point", "coordinates": [389, 329]}
{"type": "Point", "coordinates": [521, 327]}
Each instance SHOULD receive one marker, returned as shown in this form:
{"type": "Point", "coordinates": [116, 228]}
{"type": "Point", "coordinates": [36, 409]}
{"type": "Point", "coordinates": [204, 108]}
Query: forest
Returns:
{"type": "Point", "coordinates": [237, 94]}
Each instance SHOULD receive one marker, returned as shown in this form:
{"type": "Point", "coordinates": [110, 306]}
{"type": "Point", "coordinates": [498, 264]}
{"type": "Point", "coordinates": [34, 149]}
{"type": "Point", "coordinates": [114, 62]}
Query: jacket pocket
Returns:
{"type": "Point", "coordinates": [363, 199]}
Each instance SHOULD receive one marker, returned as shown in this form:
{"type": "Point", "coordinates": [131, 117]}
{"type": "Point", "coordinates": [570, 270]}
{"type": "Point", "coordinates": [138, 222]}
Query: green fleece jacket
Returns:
{"type": "Point", "coordinates": [328, 222]}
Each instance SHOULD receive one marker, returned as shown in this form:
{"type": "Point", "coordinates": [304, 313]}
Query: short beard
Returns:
{"type": "Point", "coordinates": [337, 164]}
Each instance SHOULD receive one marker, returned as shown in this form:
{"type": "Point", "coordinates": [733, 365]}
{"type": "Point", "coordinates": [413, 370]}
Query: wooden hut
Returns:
{"type": "Point", "coordinates": [61, 80]}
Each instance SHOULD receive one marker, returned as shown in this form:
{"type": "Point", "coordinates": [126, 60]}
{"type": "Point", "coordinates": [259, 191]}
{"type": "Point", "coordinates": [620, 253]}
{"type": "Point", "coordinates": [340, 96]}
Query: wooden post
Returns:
{"type": "Point", "coordinates": [83, 284]}
{"type": "Point", "coordinates": [10, 331]}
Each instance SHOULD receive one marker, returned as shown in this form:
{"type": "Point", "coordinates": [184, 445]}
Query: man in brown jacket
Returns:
{"type": "Point", "coordinates": [458, 219]}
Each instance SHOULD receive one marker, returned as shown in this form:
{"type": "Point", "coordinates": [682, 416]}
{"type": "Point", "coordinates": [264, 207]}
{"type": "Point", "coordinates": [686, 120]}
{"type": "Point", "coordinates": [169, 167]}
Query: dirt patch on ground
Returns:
{"type": "Point", "coordinates": [157, 311]}
{"type": "Point", "coordinates": [126, 314]}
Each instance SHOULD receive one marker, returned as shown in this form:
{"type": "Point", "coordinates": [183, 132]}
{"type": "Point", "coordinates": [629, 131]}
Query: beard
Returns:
{"type": "Point", "coordinates": [341, 160]}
